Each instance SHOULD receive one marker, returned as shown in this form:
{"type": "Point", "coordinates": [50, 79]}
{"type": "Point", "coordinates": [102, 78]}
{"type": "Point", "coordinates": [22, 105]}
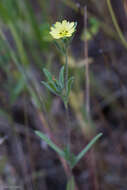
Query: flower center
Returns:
{"type": "Point", "coordinates": [63, 33]}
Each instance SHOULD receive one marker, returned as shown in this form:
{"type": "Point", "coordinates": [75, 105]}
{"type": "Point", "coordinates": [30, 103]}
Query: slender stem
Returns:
{"type": "Point", "coordinates": [71, 178]}
{"type": "Point", "coordinates": [66, 76]}
{"type": "Point", "coordinates": [68, 130]}
{"type": "Point", "coordinates": [66, 69]}
{"type": "Point", "coordinates": [66, 101]}
{"type": "Point", "coordinates": [122, 38]}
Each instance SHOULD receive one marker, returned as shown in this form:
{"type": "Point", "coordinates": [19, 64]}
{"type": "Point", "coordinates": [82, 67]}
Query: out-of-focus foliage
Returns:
{"type": "Point", "coordinates": [92, 30]}
{"type": "Point", "coordinates": [25, 105]}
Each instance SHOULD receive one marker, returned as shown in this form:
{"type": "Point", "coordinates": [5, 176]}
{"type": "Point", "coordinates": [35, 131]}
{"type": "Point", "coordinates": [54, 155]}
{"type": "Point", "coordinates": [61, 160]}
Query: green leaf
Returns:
{"type": "Point", "coordinates": [47, 74]}
{"type": "Point", "coordinates": [50, 143]}
{"type": "Point", "coordinates": [57, 83]}
{"type": "Point", "coordinates": [49, 87]}
{"type": "Point", "coordinates": [54, 85]}
{"type": "Point", "coordinates": [61, 77]}
{"type": "Point", "coordinates": [85, 150]}
{"type": "Point", "coordinates": [69, 85]}
{"type": "Point", "coordinates": [70, 184]}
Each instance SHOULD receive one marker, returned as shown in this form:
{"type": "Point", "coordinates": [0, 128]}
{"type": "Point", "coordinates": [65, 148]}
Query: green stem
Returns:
{"type": "Point", "coordinates": [66, 70]}
{"type": "Point", "coordinates": [71, 183]}
{"type": "Point", "coordinates": [66, 77]}
{"type": "Point", "coordinates": [68, 130]}
{"type": "Point", "coordinates": [66, 101]}
{"type": "Point", "coordinates": [122, 38]}
{"type": "Point", "coordinates": [66, 98]}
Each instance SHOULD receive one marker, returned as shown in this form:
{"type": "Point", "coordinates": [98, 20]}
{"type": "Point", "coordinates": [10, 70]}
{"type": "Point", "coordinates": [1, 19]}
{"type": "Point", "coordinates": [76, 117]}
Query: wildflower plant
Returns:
{"type": "Point", "coordinates": [63, 32]}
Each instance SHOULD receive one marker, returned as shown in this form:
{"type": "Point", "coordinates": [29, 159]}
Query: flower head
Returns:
{"type": "Point", "coordinates": [62, 29]}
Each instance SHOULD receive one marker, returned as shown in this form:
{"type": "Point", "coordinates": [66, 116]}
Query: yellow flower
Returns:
{"type": "Point", "coordinates": [62, 29]}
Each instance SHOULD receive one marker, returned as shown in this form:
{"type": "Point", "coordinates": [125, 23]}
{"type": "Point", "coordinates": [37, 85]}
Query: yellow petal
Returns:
{"type": "Point", "coordinates": [71, 30]}
{"type": "Point", "coordinates": [62, 29]}
{"type": "Point", "coordinates": [64, 23]}
{"type": "Point", "coordinates": [71, 25]}
{"type": "Point", "coordinates": [57, 25]}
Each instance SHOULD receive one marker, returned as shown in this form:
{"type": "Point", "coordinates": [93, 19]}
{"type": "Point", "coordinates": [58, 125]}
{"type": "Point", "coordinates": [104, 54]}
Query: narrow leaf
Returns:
{"type": "Point", "coordinates": [69, 85]}
{"type": "Point", "coordinates": [57, 84]}
{"type": "Point", "coordinates": [85, 150]}
{"type": "Point", "coordinates": [48, 87]}
{"type": "Point", "coordinates": [54, 86]}
{"type": "Point", "coordinates": [51, 82]}
{"type": "Point", "coordinates": [47, 74]}
{"type": "Point", "coordinates": [61, 77]}
{"type": "Point", "coordinates": [50, 143]}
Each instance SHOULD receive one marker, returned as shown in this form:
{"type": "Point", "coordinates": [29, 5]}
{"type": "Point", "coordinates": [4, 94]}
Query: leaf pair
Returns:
{"type": "Point", "coordinates": [67, 91]}
{"type": "Point", "coordinates": [71, 159]}
{"type": "Point", "coordinates": [57, 87]}
{"type": "Point", "coordinates": [54, 85]}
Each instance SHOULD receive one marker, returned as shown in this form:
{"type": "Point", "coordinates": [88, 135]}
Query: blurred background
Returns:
{"type": "Point", "coordinates": [25, 105]}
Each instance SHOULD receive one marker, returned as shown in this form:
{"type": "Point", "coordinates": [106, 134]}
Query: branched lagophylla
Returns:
{"type": "Point", "coordinates": [62, 32]}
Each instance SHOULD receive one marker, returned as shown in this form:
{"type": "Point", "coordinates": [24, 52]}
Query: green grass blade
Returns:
{"type": "Point", "coordinates": [50, 88]}
{"type": "Point", "coordinates": [85, 150]}
{"type": "Point", "coordinates": [19, 44]}
{"type": "Point", "coordinates": [50, 143]}
{"type": "Point", "coordinates": [33, 22]}
{"type": "Point", "coordinates": [20, 68]}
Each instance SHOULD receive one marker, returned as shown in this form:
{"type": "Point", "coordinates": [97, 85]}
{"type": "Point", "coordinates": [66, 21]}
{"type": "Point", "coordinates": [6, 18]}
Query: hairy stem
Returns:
{"type": "Point", "coordinates": [66, 70]}
{"type": "Point", "coordinates": [66, 101]}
